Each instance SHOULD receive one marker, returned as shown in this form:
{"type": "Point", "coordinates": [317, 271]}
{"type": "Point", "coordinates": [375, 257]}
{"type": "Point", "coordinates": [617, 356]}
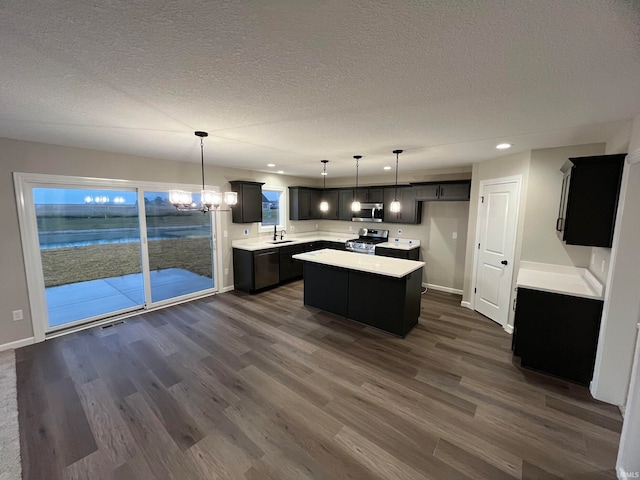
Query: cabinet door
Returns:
{"type": "Point", "coordinates": [557, 334]}
{"type": "Point", "coordinates": [410, 210]}
{"type": "Point", "coordinates": [375, 195]}
{"type": "Point", "coordinates": [426, 192]}
{"type": "Point", "coordinates": [333, 198]}
{"type": "Point", "coordinates": [346, 199]}
{"type": "Point", "coordinates": [304, 204]}
{"type": "Point", "coordinates": [454, 191]}
{"type": "Point", "coordinates": [315, 198]}
{"type": "Point", "coordinates": [251, 203]}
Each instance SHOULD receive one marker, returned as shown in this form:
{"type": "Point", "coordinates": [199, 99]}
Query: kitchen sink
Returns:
{"type": "Point", "coordinates": [280, 241]}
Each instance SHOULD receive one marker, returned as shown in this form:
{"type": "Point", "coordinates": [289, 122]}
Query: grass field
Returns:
{"type": "Point", "coordinates": [79, 264]}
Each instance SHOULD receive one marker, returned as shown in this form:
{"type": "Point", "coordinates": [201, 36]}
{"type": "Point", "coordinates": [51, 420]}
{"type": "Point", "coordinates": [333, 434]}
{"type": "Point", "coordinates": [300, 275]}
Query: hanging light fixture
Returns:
{"type": "Point", "coordinates": [355, 205]}
{"type": "Point", "coordinates": [395, 205]}
{"type": "Point", "coordinates": [209, 199]}
{"type": "Point", "coordinates": [324, 205]}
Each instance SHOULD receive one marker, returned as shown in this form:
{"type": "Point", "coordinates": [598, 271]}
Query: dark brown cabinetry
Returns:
{"type": "Point", "coordinates": [345, 200]}
{"type": "Point", "coordinates": [442, 191]}
{"type": "Point", "coordinates": [249, 206]}
{"type": "Point", "coordinates": [256, 270]}
{"type": "Point", "coordinates": [332, 196]}
{"type": "Point", "coordinates": [410, 210]}
{"type": "Point", "coordinates": [557, 334]}
{"type": "Point", "coordinates": [589, 200]}
{"type": "Point", "coordinates": [413, 254]}
{"type": "Point", "coordinates": [370, 195]}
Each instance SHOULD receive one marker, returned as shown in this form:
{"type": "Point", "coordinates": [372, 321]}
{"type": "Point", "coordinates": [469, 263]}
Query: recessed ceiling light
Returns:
{"type": "Point", "coordinates": [271, 164]}
{"type": "Point", "coordinates": [387, 167]}
{"type": "Point", "coordinates": [280, 171]}
{"type": "Point", "coordinates": [503, 146]}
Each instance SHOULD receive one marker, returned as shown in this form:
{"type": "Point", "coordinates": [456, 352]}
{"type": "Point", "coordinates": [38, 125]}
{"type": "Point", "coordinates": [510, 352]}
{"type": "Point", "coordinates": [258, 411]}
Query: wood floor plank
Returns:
{"type": "Point", "coordinates": [263, 387]}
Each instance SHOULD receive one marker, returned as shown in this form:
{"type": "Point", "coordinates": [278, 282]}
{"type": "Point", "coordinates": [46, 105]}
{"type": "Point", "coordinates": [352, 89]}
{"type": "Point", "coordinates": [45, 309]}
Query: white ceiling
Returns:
{"type": "Point", "coordinates": [293, 82]}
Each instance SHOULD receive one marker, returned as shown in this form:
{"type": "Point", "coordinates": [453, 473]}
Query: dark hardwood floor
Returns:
{"type": "Point", "coordinates": [261, 387]}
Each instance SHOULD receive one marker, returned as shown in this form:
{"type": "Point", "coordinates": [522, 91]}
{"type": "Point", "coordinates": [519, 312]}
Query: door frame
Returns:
{"type": "Point", "coordinates": [25, 182]}
{"type": "Point", "coordinates": [517, 179]}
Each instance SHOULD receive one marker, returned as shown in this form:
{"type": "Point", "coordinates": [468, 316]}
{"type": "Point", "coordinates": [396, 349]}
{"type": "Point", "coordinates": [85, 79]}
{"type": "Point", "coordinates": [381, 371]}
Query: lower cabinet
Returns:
{"type": "Point", "coordinates": [255, 270]}
{"type": "Point", "coordinates": [557, 334]}
{"type": "Point", "coordinates": [413, 254]}
{"type": "Point", "coordinates": [259, 269]}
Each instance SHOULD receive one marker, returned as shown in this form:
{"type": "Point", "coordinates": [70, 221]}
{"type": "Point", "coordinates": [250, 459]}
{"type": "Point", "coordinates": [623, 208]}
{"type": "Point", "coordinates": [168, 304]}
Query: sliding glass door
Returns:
{"type": "Point", "coordinates": [180, 248]}
{"type": "Point", "coordinates": [94, 250]}
{"type": "Point", "coordinates": [90, 253]}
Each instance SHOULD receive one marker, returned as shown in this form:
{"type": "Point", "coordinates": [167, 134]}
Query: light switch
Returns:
{"type": "Point", "coordinates": [455, 235]}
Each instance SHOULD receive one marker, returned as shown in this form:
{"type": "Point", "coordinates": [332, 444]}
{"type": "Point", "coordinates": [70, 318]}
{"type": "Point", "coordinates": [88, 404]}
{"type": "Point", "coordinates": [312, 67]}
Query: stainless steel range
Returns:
{"type": "Point", "coordinates": [367, 240]}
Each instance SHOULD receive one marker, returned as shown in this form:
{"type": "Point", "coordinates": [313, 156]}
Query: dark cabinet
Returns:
{"type": "Point", "coordinates": [413, 254]}
{"type": "Point", "coordinates": [589, 200]}
{"type": "Point", "coordinates": [304, 203]}
{"type": "Point", "coordinates": [249, 206]}
{"type": "Point", "coordinates": [443, 191]}
{"type": "Point", "coordinates": [370, 195]}
{"type": "Point", "coordinates": [256, 270]}
{"type": "Point", "coordinates": [557, 334]}
{"type": "Point", "coordinates": [410, 210]}
{"type": "Point", "coordinates": [332, 197]}
{"type": "Point", "coordinates": [290, 269]}
{"type": "Point", "coordinates": [345, 200]}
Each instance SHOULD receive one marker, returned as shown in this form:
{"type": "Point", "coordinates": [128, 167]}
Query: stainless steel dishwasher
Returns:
{"type": "Point", "coordinates": [266, 268]}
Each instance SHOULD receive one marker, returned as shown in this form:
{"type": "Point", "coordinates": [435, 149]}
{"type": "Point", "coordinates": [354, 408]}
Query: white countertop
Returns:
{"type": "Point", "coordinates": [578, 282]}
{"type": "Point", "coordinates": [262, 244]}
{"type": "Point", "coordinates": [391, 267]}
{"type": "Point", "coordinates": [254, 244]}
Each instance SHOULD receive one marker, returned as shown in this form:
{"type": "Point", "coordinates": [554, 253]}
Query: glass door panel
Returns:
{"type": "Point", "coordinates": [180, 248]}
{"type": "Point", "coordinates": [90, 252]}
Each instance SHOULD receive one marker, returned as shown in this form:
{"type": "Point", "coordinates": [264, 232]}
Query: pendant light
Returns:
{"type": "Point", "coordinates": [209, 199]}
{"type": "Point", "coordinates": [355, 205]}
{"type": "Point", "coordinates": [324, 205]}
{"type": "Point", "coordinates": [395, 205]}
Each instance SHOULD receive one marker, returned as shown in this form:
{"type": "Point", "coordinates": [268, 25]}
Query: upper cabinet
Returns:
{"type": "Point", "coordinates": [304, 203]}
{"type": "Point", "coordinates": [442, 191]}
{"type": "Point", "coordinates": [410, 209]}
{"type": "Point", "coordinates": [589, 200]}
{"type": "Point", "coordinates": [370, 195]}
{"type": "Point", "coordinates": [249, 206]}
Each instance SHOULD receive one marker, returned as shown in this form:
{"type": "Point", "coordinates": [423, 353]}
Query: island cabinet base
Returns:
{"type": "Point", "coordinates": [387, 303]}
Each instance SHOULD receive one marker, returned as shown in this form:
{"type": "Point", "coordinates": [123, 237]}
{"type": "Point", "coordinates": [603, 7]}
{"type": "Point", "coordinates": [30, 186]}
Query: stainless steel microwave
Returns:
{"type": "Point", "coordinates": [369, 212]}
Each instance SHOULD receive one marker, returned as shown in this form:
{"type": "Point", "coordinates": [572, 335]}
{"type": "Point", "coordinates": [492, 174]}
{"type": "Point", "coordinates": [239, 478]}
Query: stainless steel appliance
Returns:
{"type": "Point", "coordinates": [367, 240]}
{"type": "Point", "coordinates": [369, 212]}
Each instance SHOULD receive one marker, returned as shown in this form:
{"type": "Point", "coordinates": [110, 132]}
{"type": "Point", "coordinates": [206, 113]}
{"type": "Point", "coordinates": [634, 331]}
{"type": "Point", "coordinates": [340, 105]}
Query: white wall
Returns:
{"type": "Point", "coordinates": [29, 157]}
{"type": "Point", "coordinates": [622, 311]}
{"type": "Point", "coordinates": [444, 256]}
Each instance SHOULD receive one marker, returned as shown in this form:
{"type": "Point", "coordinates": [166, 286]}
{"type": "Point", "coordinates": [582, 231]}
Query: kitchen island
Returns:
{"type": "Point", "coordinates": [381, 292]}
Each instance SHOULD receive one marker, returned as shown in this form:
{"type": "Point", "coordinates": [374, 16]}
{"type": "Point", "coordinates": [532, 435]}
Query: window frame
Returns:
{"type": "Point", "coordinates": [282, 210]}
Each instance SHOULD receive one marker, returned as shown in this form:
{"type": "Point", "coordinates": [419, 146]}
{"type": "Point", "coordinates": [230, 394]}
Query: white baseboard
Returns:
{"type": "Point", "coordinates": [466, 305]}
{"type": "Point", "coordinates": [227, 289]}
{"type": "Point", "coordinates": [17, 344]}
{"type": "Point", "coordinates": [440, 288]}
{"type": "Point", "coordinates": [508, 328]}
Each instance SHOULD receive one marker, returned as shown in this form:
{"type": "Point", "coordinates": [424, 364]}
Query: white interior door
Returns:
{"type": "Point", "coordinates": [497, 223]}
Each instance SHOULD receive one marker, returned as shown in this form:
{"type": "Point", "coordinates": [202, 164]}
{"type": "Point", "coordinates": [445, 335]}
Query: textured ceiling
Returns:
{"type": "Point", "coordinates": [293, 82]}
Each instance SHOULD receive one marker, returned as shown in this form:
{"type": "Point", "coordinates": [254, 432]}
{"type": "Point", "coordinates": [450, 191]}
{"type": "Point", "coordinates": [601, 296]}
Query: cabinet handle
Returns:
{"type": "Point", "coordinates": [441, 194]}
{"type": "Point", "coordinates": [504, 262]}
{"type": "Point", "coordinates": [559, 224]}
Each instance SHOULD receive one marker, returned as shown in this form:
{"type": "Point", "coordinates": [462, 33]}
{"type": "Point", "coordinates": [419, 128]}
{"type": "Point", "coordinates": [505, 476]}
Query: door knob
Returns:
{"type": "Point", "coordinates": [504, 262]}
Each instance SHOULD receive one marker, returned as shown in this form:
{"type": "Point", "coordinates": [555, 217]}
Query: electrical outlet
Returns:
{"type": "Point", "coordinates": [316, 226]}
{"type": "Point", "coordinates": [454, 235]}
{"type": "Point", "coordinates": [226, 271]}
{"type": "Point", "coordinates": [225, 234]}
{"type": "Point", "coordinates": [593, 258]}
{"type": "Point", "coordinates": [292, 228]}
{"type": "Point", "coordinates": [17, 315]}
{"type": "Point", "coordinates": [602, 265]}
{"type": "Point", "coordinates": [351, 228]}
{"type": "Point", "coordinates": [399, 231]}
{"type": "Point", "coordinates": [245, 232]}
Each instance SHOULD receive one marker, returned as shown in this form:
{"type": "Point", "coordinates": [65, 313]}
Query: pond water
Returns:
{"type": "Point", "coordinates": [83, 238]}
